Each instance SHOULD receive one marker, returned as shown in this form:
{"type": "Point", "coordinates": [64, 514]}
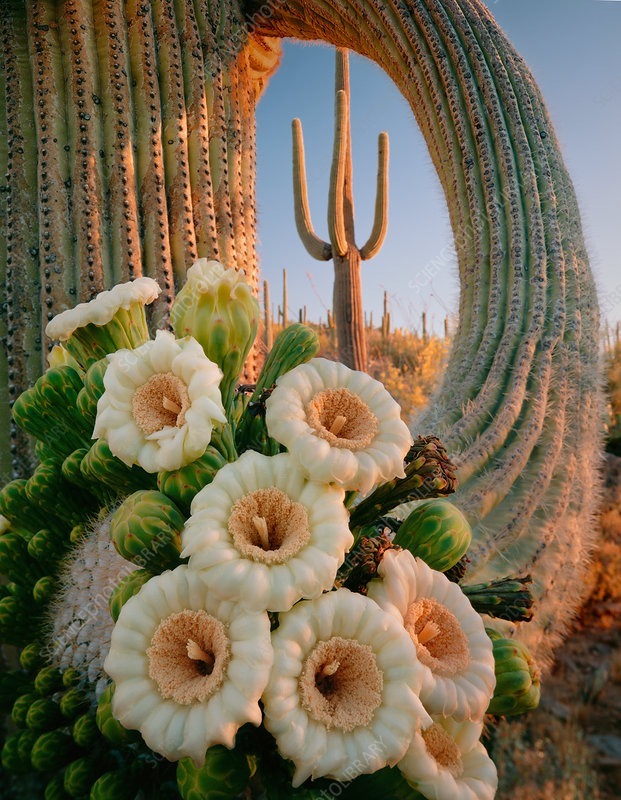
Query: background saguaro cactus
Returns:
{"type": "Point", "coordinates": [130, 146]}
{"type": "Point", "coordinates": [342, 248]}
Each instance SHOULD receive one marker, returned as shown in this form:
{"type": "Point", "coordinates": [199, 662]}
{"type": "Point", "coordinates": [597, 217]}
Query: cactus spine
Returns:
{"type": "Point", "coordinates": [342, 249]}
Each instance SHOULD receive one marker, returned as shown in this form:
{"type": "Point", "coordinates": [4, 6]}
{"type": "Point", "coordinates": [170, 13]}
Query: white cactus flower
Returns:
{"type": "Point", "coordinates": [449, 635]}
{"type": "Point", "coordinates": [102, 308]}
{"type": "Point", "coordinates": [264, 536]}
{"type": "Point", "coordinates": [4, 524]}
{"type": "Point", "coordinates": [342, 698]}
{"type": "Point", "coordinates": [446, 761]}
{"type": "Point", "coordinates": [189, 669]}
{"type": "Point", "coordinates": [160, 403]}
{"type": "Point", "coordinates": [340, 425]}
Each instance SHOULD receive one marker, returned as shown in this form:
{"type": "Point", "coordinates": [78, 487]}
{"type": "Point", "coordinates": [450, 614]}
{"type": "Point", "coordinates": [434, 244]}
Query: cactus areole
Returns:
{"type": "Point", "coordinates": [128, 149]}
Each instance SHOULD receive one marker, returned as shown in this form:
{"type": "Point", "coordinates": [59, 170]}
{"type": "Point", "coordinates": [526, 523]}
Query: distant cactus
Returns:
{"type": "Point", "coordinates": [268, 324]}
{"type": "Point", "coordinates": [342, 248]}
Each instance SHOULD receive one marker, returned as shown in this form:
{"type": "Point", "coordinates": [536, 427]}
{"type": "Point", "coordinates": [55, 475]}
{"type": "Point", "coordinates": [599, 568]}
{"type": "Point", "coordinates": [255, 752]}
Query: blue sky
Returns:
{"type": "Point", "coordinates": [573, 48]}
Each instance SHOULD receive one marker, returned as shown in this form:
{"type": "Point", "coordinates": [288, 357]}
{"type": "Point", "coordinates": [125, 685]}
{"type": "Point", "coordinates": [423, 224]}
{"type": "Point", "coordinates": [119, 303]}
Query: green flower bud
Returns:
{"type": "Point", "coordinates": [20, 708]}
{"type": "Point", "coordinates": [217, 307]}
{"type": "Point", "coordinates": [79, 775]}
{"type": "Point", "coordinates": [117, 785]}
{"type": "Point", "coordinates": [223, 776]}
{"type": "Point", "coordinates": [437, 532]}
{"type": "Point", "coordinates": [183, 484]}
{"type": "Point", "coordinates": [85, 731]}
{"type": "Point", "coordinates": [128, 587]}
{"type": "Point", "coordinates": [43, 715]}
{"type": "Point", "coordinates": [50, 749]}
{"type": "Point", "coordinates": [109, 726]}
{"type": "Point", "coordinates": [146, 529]}
{"type": "Point", "coordinates": [518, 679]}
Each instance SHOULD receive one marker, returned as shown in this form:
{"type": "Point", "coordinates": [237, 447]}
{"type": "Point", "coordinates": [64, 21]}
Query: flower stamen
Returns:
{"type": "Point", "coordinates": [429, 632]}
{"type": "Point", "coordinates": [170, 405]}
{"type": "Point", "coordinates": [341, 684]}
{"type": "Point", "coordinates": [267, 526]}
{"type": "Point", "coordinates": [338, 424]}
{"type": "Point", "coordinates": [260, 524]}
{"type": "Point", "coordinates": [196, 653]}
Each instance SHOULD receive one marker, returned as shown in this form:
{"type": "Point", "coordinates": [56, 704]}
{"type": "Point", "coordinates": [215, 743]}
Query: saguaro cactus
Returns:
{"type": "Point", "coordinates": [519, 407]}
{"type": "Point", "coordinates": [342, 248]}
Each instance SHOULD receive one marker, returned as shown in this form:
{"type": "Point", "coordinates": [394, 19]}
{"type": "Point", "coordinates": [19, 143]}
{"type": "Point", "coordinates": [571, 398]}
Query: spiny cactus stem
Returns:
{"type": "Point", "coordinates": [197, 133]}
{"type": "Point", "coordinates": [118, 133]}
{"type": "Point", "coordinates": [267, 317]}
{"type": "Point", "coordinates": [149, 155]}
{"type": "Point", "coordinates": [89, 196]}
{"type": "Point", "coordinates": [174, 139]}
{"type": "Point", "coordinates": [316, 247]}
{"type": "Point", "coordinates": [20, 282]}
{"type": "Point", "coordinates": [380, 222]}
{"type": "Point", "coordinates": [336, 198]}
{"type": "Point", "coordinates": [58, 278]}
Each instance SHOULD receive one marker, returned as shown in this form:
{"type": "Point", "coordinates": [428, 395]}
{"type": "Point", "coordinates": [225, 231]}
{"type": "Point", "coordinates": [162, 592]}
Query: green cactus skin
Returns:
{"type": "Point", "coordinates": [146, 529]}
{"type": "Point", "coordinates": [224, 775]}
{"type": "Point", "coordinates": [183, 484]}
{"type": "Point", "coordinates": [437, 532]}
{"type": "Point", "coordinates": [48, 547]}
{"type": "Point", "coordinates": [518, 681]}
{"type": "Point", "coordinates": [342, 248]}
{"type": "Point", "coordinates": [126, 588]}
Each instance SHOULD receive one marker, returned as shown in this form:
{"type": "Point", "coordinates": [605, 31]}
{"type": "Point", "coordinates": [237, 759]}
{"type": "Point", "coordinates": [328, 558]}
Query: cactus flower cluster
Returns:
{"type": "Point", "coordinates": [213, 584]}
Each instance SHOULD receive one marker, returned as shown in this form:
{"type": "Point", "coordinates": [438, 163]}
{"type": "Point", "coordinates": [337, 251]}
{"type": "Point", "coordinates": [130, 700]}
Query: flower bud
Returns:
{"type": "Point", "coordinates": [216, 306]}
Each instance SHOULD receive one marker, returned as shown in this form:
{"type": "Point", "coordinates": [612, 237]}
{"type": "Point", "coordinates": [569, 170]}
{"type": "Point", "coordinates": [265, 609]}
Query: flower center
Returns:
{"type": "Point", "coordinates": [440, 642]}
{"type": "Point", "coordinates": [267, 526]}
{"type": "Point", "coordinates": [443, 749]}
{"type": "Point", "coordinates": [342, 419]}
{"type": "Point", "coordinates": [188, 656]}
{"type": "Point", "coordinates": [160, 402]}
{"type": "Point", "coordinates": [341, 684]}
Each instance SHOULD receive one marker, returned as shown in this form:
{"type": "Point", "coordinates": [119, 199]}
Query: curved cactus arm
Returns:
{"type": "Point", "coordinates": [519, 405]}
{"type": "Point", "coordinates": [380, 222]}
{"type": "Point", "coordinates": [336, 196]}
{"type": "Point", "coordinates": [316, 247]}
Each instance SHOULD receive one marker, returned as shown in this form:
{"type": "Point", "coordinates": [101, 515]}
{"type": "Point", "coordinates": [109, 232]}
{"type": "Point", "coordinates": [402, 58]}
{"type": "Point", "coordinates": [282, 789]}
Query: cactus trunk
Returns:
{"type": "Point", "coordinates": [348, 311]}
{"type": "Point", "coordinates": [129, 150]}
{"type": "Point", "coordinates": [519, 406]}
